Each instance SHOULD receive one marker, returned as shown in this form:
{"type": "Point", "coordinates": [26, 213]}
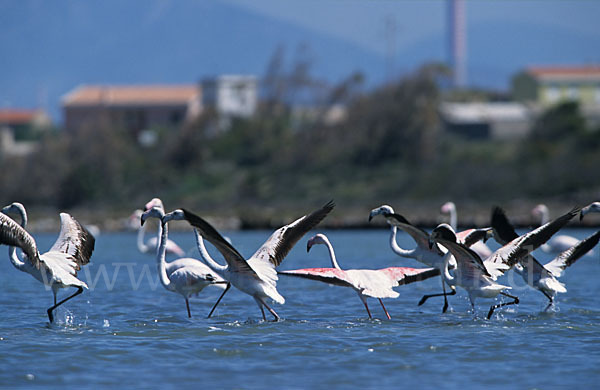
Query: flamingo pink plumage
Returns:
{"type": "Point", "coordinates": [374, 283]}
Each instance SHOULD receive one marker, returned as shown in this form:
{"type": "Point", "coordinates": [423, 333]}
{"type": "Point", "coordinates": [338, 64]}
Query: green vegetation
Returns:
{"type": "Point", "coordinates": [389, 149]}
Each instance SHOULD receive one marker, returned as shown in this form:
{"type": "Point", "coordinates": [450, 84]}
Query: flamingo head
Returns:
{"type": "Point", "coordinates": [448, 207]}
{"type": "Point", "coordinates": [381, 210]}
{"type": "Point", "coordinates": [316, 239]}
{"type": "Point", "coordinates": [154, 212]}
{"type": "Point", "coordinates": [155, 202]}
{"type": "Point", "coordinates": [592, 208]}
{"type": "Point", "coordinates": [442, 232]}
{"type": "Point", "coordinates": [540, 210]}
{"type": "Point", "coordinates": [14, 207]}
{"type": "Point", "coordinates": [489, 233]}
{"type": "Point", "coordinates": [175, 215]}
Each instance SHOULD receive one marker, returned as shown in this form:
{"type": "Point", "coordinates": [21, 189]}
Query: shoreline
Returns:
{"type": "Point", "coordinates": [45, 221]}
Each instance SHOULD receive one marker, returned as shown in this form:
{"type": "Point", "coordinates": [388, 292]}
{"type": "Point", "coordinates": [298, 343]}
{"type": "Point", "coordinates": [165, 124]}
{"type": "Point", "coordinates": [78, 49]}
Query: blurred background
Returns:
{"type": "Point", "coordinates": [255, 111]}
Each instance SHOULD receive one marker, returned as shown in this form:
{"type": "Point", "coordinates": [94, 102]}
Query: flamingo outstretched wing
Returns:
{"type": "Point", "coordinates": [74, 240]}
{"type": "Point", "coordinates": [283, 239]}
{"type": "Point", "coordinates": [333, 276]}
{"type": "Point", "coordinates": [470, 236]}
{"type": "Point", "coordinates": [407, 275]}
{"type": "Point", "coordinates": [521, 246]}
{"type": "Point", "coordinates": [12, 234]}
{"type": "Point", "coordinates": [233, 258]}
{"type": "Point", "coordinates": [571, 255]}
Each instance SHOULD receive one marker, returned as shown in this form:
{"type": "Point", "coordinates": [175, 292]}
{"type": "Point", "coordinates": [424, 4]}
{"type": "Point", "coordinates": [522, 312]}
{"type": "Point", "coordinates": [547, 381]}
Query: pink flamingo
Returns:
{"type": "Point", "coordinates": [151, 245]}
{"type": "Point", "coordinates": [374, 283]}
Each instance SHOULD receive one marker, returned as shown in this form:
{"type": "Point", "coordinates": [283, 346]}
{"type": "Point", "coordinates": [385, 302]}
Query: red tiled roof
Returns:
{"type": "Point", "coordinates": [17, 116]}
{"type": "Point", "coordinates": [131, 94]}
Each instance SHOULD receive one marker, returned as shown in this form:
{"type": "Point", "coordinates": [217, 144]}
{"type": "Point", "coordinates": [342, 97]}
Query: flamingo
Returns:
{"type": "Point", "coordinates": [256, 276]}
{"type": "Point", "coordinates": [56, 268]}
{"type": "Point", "coordinates": [185, 276]}
{"type": "Point", "coordinates": [151, 245]}
{"type": "Point", "coordinates": [366, 282]}
{"type": "Point", "coordinates": [431, 256]}
{"type": "Point", "coordinates": [478, 277]}
{"type": "Point", "coordinates": [542, 277]}
{"type": "Point", "coordinates": [479, 247]}
{"type": "Point", "coordinates": [558, 243]}
{"type": "Point", "coordinates": [590, 208]}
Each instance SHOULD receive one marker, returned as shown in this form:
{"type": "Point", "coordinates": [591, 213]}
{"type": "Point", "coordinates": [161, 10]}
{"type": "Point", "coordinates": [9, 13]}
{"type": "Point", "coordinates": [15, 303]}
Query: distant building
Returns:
{"type": "Point", "coordinates": [552, 84]}
{"type": "Point", "coordinates": [230, 96]}
{"type": "Point", "coordinates": [20, 129]}
{"type": "Point", "coordinates": [494, 120]}
{"type": "Point", "coordinates": [132, 107]}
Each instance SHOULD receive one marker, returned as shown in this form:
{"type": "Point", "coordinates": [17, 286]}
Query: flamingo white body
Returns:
{"type": "Point", "coordinates": [471, 274]}
{"type": "Point", "coordinates": [432, 256]}
{"type": "Point", "coordinates": [591, 208]}
{"type": "Point", "coordinates": [478, 277]}
{"type": "Point", "coordinates": [185, 276]}
{"type": "Point", "coordinates": [543, 277]}
{"type": "Point", "coordinates": [374, 283]}
{"type": "Point", "coordinates": [556, 244]}
{"type": "Point", "coordinates": [256, 276]}
{"type": "Point", "coordinates": [56, 268]}
{"type": "Point", "coordinates": [479, 247]}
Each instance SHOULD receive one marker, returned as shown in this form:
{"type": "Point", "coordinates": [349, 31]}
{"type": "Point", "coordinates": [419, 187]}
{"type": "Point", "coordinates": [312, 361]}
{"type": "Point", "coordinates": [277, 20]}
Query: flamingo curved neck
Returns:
{"type": "Point", "coordinates": [396, 248]}
{"type": "Point", "coordinates": [161, 253]}
{"type": "Point", "coordinates": [334, 262]}
{"type": "Point", "coordinates": [140, 239]}
{"type": "Point", "coordinates": [14, 258]}
{"type": "Point", "coordinates": [453, 218]}
{"type": "Point", "coordinates": [208, 260]}
{"type": "Point", "coordinates": [545, 217]}
{"type": "Point", "coordinates": [447, 276]}
{"type": "Point", "coordinates": [12, 250]}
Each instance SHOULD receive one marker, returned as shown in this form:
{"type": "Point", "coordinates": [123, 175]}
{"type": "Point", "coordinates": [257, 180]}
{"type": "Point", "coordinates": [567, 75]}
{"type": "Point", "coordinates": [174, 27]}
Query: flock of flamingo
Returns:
{"type": "Point", "coordinates": [459, 258]}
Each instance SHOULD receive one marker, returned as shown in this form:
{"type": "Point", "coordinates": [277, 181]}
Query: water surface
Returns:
{"type": "Point", "coordinates": [127, 330]}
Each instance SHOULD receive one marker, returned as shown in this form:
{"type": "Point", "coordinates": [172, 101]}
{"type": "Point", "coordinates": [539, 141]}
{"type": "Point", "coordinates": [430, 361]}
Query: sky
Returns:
{"type": "Point", "coordinates": [48, 48]}
{"type": "Point", "coordinates": [362, 21]}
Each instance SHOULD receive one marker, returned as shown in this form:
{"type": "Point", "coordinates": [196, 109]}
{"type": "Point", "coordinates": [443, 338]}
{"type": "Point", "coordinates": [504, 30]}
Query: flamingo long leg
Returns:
{"type": "Point", "coordinates": [384, 309]}
{"type": "Point", "coordinates": [444, 294]}
{"type": "Point", "coordinates": [259, 303]}
{"type": "Point", "coordinates": [277, 318]}
{"type": "Point", "coordinates": [219, 300]}
{"type": "Point", "coordinates": [187, 304]}
{"type": "Point", "coordinates": [50, 315]}
{"type": "Point", "coordinates": [550, 298]}
{"type": "Point", "coordinates": [514, 302]}
{"type": "Point", "coordinates": [364, 301]}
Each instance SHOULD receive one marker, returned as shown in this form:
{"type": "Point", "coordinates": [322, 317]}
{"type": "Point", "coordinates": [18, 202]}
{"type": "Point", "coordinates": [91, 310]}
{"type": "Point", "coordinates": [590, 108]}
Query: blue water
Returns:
{"type": "Point", "coordinates": [128, 331]}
